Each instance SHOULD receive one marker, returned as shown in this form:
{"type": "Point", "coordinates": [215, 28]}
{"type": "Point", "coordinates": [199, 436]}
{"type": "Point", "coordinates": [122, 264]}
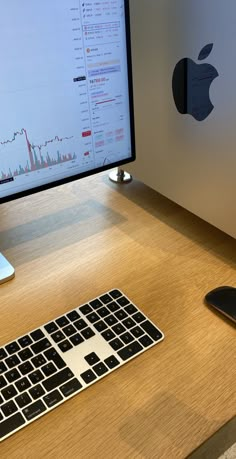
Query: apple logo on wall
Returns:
{"type": "Point", "coordinates": [191, 85]}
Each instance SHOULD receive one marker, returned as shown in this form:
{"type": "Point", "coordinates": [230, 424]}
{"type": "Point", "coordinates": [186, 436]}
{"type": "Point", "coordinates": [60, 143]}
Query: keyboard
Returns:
{"type": "Point", "coordinates": [47, 366]}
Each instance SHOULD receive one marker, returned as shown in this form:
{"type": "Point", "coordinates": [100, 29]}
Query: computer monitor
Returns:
{"type": "Point", "coordinates": [65, 92]}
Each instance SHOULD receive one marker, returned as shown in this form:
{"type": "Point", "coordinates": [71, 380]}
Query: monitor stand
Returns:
{"type": "Point", "coordinates": [7, 271]}
{"type": "Point", "coordinates": [120, 176]}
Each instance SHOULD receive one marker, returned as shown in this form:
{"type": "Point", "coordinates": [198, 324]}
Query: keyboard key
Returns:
{"type": "Point", "coordinates": [115, 294]}
{"type": "Point", "coordinates": [145, 341]}
{"type": "Point", "coordinates": [71, 387]}
{"type": "Point", "coordinates": [130, 350]}
{"type": "Point", "coordinates": [36, 376]}
{"type": "Point", "coordinates": [3, 368]}
{"type": "Point", "coordinates": [73, 315]}
{"type": "Point", "coordinates": [92, 358]}
{"type": "Point", "coordinates": [51, 327]}
{"type": "Point", "coordinates": [118, 329]}
{"type": "Point", "coordinates": [11, 424]}
{"type": "Point", "coordinates": [126, 338]}
{"type": "Point", "coordinates": [116, 344]}
{"type": "Point", "coordinates": [87, 333]}
{"type": "Point", "coordinates": [23, 384]}
{"type": "Point", "coordinates": [151, 330]}
{"type": "Point", "coordinates": [113, 307]}
{"type": "Point", "coordinates": [25, 354]}
{"type": "Point", "coordinates": [103, 312]}
{"type": "Point", "coordinates": [111, 320]}
{"type": "Point", "coordinates": [108, 335]}
{"type": "Point", "coordinates": [100, 326]}
{"type": "Point", "coordinates": [121, 314]}
{"type": "Point", "coordinates": [56, 380]}
{"type": "Point", "coordinates": [112, 362]}
{"type": "Point", "coordinates": [130, 309]}
{"type": "Point", "coordinates": [33, 410]}
{"type": "Point", "coordinates": [93, 317]}
{"type": "Point", "coordinates": [23, 400]}
{"type": "Point", "coordinates": [65, 345]}
{"type": "Point", "coordinates": [37, 391]}
{"type": "Point", "coordinates": [9, 392]}
{"type": "Point", "coordinates": [25, 368]}
{"type": "Point", "coordinates": [129, 323]}
{"type": "Point", "coordinates": [53, 355]}
{"type": "Point", "coordinates": [12, 347]}
{"type": "Point", "coordinates": [62, 321]}
{"type": "Point", "coordinates": [95, 304]}
{"type": "Point", "coordinates": [12, 375]}
{"type": "Point", "coordinates": [80, 324]}
{"type": "Point", "coordinates": [49, 369]}
{"type": "Point", "coordinates": [123, 301]}
{"type": "Point", "coordinates": [3, 353]}
{"type": "Point", "coordinates": [100, 369]}
{"type": "Point", "coordinates": [138, 317]}
{"type": "Point", "coordinates": [41, 346]}
{"type": "Point", "coordinates": [37, 335]}
{"type": "Point", "coordinates": [3, 382]}
{"type": "Point", "coordinates": [106, 298]}
{"type": "Point", "coordinates": [76, 339]}
{"type": "Point", "coordinates": [69, 330]}
{"type": "Point", "coordinates": [39, 359]}
{"type": "Point", "coordinates": [53, 398]}
{"type": "Point", "coordinates": [137, 331]}
{"type": "Point", "coordinates": [58, 336]}
{"type": "Point", "coordinates": [9, 408]}
{"type": "Point", "coordinates": [25, 341]}
{"type": "Point", "coordinates": [88, 376]}
{"type": "Point", "coordinates": [12, 361]}
{"type": "Point", "coordinates": [85, 309]}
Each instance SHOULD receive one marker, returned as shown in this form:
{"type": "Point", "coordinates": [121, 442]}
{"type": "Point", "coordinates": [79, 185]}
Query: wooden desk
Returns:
{"type": "Point", "coordinates": [75, 242]}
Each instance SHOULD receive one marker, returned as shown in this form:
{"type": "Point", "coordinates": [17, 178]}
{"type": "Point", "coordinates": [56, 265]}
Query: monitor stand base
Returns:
{"type": "Point", "coordinates": [120, 176]}
{"type": "Point", "coordinates": [7, 271]}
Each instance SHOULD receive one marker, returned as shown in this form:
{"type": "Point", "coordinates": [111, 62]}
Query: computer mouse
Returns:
{"type": "Point", "coordinates": [224, 300]}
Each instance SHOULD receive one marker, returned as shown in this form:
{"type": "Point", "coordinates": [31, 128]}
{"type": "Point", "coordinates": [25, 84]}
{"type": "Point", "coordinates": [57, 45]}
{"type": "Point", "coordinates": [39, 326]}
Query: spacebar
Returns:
{"type": "Point", "coordinates": [11, 424]}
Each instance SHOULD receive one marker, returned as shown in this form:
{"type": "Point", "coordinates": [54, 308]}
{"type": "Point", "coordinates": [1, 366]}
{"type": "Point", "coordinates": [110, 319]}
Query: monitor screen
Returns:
{"type": "Point", "coordinates": [65, 92]}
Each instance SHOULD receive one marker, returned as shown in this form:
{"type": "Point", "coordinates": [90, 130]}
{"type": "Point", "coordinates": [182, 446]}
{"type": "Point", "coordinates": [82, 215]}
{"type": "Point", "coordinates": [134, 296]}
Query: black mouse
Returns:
{"type": "Point", "coordinates": [224, 300]}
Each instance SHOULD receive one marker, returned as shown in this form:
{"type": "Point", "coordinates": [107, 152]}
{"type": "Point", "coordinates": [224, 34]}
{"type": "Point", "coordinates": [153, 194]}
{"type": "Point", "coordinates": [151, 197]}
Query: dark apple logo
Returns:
{"type": "Point", "coordinates": [191, 84]}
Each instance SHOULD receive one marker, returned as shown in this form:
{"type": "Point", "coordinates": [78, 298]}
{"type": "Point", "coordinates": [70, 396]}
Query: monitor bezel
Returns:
{"type": "Point", "coordinates": [97, 170]}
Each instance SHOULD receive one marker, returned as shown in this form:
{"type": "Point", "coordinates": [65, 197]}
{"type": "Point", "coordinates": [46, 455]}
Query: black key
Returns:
{"type": "Point", "coordinates": [71, 387]}
{"type": "Point", "coordinates": [139, 317]}
{"type": "Point", "coordinates": [76, 339]}
{"type": "Point", "coordinates": [93, 317]}
{"type": "Point", "coordinates": [113, 306]}
{"type": "Point", "coordinates": [62, 321]}
{"type": "Point", "coordinates": [25, 354]}
{"type": "Point", "coordinates": [115, 294]}
{"type": "Point", "coordinates": [33, 410]}
{"type": "Point", "coordinates": [100, 369]}
{"type": "Point", "coordinates": [145, 341]}
{"type": "Point", "coordinates": [3, 353]}
{"type": "Point", "coordinates": [58, 336]}
{"type": "Point", "coordinates": [51, 327]}
{"type": "Point", "coordinates": [25, 368]}
{"type": "Point", "coordinates": [103, 312]}
{"type": "Point", "coordinates": [118, 329]}
{"type": "Point", "coordinates": [37, 335]}
{"type": "Point", "coordinates": [1, 400]}
{"type": "Point", "coordinates": [37, 391]}
{"type": "Point", "coordinates": [53, 355]}
{"type": "Point", "coordinates": [65, 345]}
{"type": "Point", "coordinates": [116, 344]}
{"type": "Point", "coordinates": [39, 360]}
{"type": "Point", "coordinates": [123, 301]}
{"type": "Point", "coordinates": [112, 362]}
{"type": "Point", "coordinates": [3, 368]}
{"type": "Point", "coordinates": [25, 341]}
{"type": "Point", "coordinates": [12, 361]}
{"type": "Point", "coordinates": [36, 376]}
{"type": "Point", "coordinates": [121, 314]}
{"type": "Point", "coordinates": [23, 384]}
{"type": "Point", "coordinates": [12, 347]}
{"type": "Point", "coordinates": [73, 315]}
{"type": "Point", "coordinates": [151, 330]}
{"type": "Point", "coordinates": [87, 333]}
{"type": "Point", "coordinates": [131, 309]}
{"type": "Point", "coordinates": [49, 369]}
{"type": "Point", "coordinates": [23, 400]}
{"type": "Point", "coordinates": [69, 330]}
{"type": "Point", "coordinates": [126, 338]}
{"type": "Point", "coordinates": [9, 392]}
{"type": "Point", "coordinates": [111, 320]}
{"type": "Point", "coordinates": [95, 304]}
{"type": "Point", "coordinates": [100, 326]}
{"type": "Point", "coordinates": [80, 324]}
{"type": "Point", "coordinates": [11, 424]}
{"type": "Point", "coordinates": [108, 334]}
{"type": "Point", "coordinates": [92, 358]}
{"type": "Point", "coordinates": [130, 350]}
{"type": "Point", "coordinates": [9, 408]}
{"type": "Point", "coordinates": [41, 346]}
{"type": "Point", "coordinates": [3, 382]}
{"type": "Point", "coordinates": [86, 309]}
{"type": "Point", "coordinates": [129, 323]}
{"type": "Point", "coordinates": [106, 298]}
{"type": "Point", "coordinates": [53, 398]}
{"type": "Point", "coordinates": [56, 380]}
{"type": "Point", "coordinates": [137, 331]}
{"type": "Point", "coordinates": [88, 376]}
{"type": "Point", "coordinates": [12, 375]}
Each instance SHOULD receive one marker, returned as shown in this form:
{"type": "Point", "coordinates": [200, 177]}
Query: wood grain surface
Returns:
{"type": "Point", "coordinates": [74, 242]}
